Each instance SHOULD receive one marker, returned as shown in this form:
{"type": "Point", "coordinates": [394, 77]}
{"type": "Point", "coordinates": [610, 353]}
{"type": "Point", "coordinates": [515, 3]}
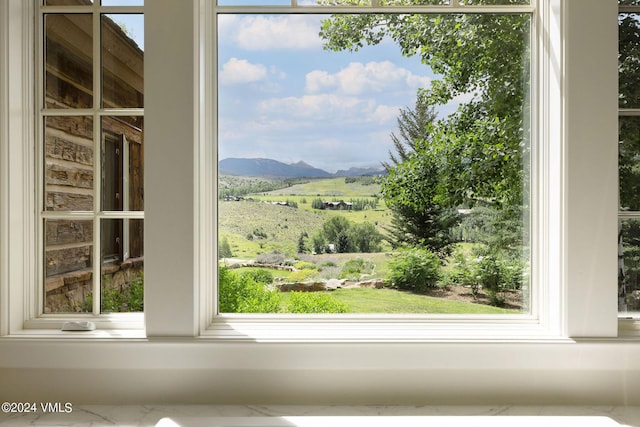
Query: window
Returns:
{"type": "Point", "coordinates": [91, 154]}
{"type": "Point", "coordinates": [313, 191]}
{"type": "Point", "coordinates": [628, 157]}
{"type": "Point", "coordinates": [180, 235]}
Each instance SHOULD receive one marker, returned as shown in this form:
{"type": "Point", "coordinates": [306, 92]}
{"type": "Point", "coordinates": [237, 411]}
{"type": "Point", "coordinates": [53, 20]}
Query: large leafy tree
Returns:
{"type": "Point", "coordinates": [479, 154]}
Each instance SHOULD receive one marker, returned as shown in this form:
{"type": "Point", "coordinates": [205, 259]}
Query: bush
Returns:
{"type": "Point", "coordinates": [272, 258]}
{"type": "Point", "coordinates": [414, 269]}
{"type": "Point", "coordinates": [327, 264]}
{"type": "Point", "coordinates": [260, 275]}
{"type": "Point", "coordinates": [353, 268]}
{"type": "Point", "coordinates": [240, 293]}
{"type": "Point", "coordinates": [314, 303]}
{"type": "Point", "coordinates": [116, 300]}
{"type": "Point", "coordinates": [301, 275]}
{"type": "Point", "coordinates": [305, 265]}
{"type": "Point", "coordinates": [497, 274]}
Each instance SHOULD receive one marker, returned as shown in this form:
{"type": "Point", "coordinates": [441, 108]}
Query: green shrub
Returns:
{"type": "Point", "coordinates": [415, 269]}
{"type": "Point", "coordinates": [462, 273]}
{"type": "Point", "coordinates": [240, 293]}
{"type": "Point", "coordinates": [260, 275]}
{"type": "Point", "coordinates": [314, 303]}
{"type": "Point", "coordinates": [353, 268]}
{"type": "Point", "coordinates": [305, 265]}
{"type": "Point", "coordinates": [116, 300]}
{"type": "Point", "coordinates": [328, 264]}
{"type": "Point", "coordinates": [272, 258]}
{"type": "Point", "coordinates": [497, 273]}
{"type": "Point", "coordinates": [301, 275]}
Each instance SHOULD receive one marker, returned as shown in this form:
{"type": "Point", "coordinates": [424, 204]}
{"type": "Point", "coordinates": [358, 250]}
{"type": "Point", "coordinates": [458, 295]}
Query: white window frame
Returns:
{"type": "Point", "coordinates": [549, 317]}
{"type": "Point", "coordinates": [28, 215]}
{"type": "Point", "coordinates": [578, 300]}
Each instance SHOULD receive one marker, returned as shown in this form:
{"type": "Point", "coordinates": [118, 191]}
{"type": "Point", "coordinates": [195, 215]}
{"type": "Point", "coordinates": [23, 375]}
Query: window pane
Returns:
{"type": "Point", "coordinates": [334, 2]}
{"type": "Point", "coordinates": [629, 266]}
{"type": "Point", "coordinates": [68, 265]}
{"type": "Point", "coordinates": [494, 2]}
{"type": "Point", "coordinates": [123, 61]}
{"type": "Point", "coordinates": [629, 60]}
{"type": "Point", "coordinates": [122, 265]}
{"type": "Point", "coordinates": [629, 163]}
{"type": "Point", "coordinates": [67, 2]}
{"type": "Point", "coordinates": [123, 2]}
{"type": "Point", "coordinates": [254, 2]}
{"type": "Point", "coordinates": [68, 61]}
{"type": "Point", "coordinates": [309, 192]}
{"type": "Point", "coordinates": [122, 164]}
{"type": "Point", "coordinates": [413, 2]}
{"type": "Point", "coordinates": [68, 163]}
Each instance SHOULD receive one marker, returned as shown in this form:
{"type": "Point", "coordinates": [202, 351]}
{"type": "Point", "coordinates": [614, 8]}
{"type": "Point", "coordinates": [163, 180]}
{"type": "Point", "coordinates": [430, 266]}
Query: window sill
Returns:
{"type": "Point", "coordinates": [364, 329]}
{"type": "Point", "coordinates": [121, 325]}
{"type": "Point", "coordinates": [120, 334]}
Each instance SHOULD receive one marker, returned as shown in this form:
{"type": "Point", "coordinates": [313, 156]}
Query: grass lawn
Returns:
{"type": "Point", "coordinates": [331, 187]}
{"type": "Point", "coordinates": [389, 301]}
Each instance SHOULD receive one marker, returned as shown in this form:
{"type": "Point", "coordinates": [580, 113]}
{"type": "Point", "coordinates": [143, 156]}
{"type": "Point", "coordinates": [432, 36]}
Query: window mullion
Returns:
{"type": "Point", "coordinates": [97, 164]}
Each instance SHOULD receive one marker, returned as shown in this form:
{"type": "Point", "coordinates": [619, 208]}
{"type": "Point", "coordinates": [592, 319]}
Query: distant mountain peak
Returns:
{"type": "Point", "coordinates": [269, 168]}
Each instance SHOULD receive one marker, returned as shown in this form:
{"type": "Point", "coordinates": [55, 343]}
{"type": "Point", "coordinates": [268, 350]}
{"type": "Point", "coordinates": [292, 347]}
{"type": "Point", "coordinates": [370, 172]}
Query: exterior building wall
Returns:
{"type": "Point", "coordinates": [70, 154]}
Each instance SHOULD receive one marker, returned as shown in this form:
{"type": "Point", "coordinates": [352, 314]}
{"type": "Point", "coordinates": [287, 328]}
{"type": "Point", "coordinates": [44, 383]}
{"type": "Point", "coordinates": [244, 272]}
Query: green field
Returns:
{"type": "Point", "coordinates": [332, 187]}
{"type": "Point", "coordinates": [283, 225]}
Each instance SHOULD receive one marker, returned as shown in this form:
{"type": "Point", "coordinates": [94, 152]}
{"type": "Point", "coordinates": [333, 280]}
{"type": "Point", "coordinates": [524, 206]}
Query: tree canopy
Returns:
{"type": "Point", "coordinates": [482, 59]}
{"type": "Point", "coordinates": [476, 155]}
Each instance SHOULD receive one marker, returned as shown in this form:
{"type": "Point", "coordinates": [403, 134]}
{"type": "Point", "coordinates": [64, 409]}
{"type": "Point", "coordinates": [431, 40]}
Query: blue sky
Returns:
{"type": "Point", "coordinates": [281, 96]}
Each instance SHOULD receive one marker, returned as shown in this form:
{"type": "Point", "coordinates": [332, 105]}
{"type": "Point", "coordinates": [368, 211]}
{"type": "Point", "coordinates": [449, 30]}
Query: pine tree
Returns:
{"type": "Point", "coordinates": [224, 249]}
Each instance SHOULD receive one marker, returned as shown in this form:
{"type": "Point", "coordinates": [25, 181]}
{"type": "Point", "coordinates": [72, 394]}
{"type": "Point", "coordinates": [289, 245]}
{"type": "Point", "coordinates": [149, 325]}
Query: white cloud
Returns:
{"type": "Point", "coordinates": [385, 113]}
{"type": "Point", "coordinates": [331, 108]}
{"type": "Point", "coordinates": [358, 78]}
{"type": "Point", "coordinates": [236, 71]}
{"type": "Point", "coordinates": [311, 106]}
{"type": "Point", "coordinates": [259, 32]}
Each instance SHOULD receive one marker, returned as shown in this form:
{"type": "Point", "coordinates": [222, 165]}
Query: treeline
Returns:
{"type": "Point", "coordinates": [340, 235]}
{"type": "Point", "coordinates": [231, 186]}
{"type": "Point", "coordinates": [364, 180]}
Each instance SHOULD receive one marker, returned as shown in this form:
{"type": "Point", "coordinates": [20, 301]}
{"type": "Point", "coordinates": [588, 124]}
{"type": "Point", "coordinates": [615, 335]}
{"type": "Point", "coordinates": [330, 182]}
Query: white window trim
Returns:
{"type": "Point", "coordinates": [560, 226]}
{"type": "Point", "coordinates": [582, 306]}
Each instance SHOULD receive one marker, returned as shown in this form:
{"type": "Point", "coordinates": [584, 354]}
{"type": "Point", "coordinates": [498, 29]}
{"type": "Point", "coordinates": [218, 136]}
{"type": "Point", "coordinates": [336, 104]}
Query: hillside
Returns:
{"type": "Point", "coordinates": [269, 168]}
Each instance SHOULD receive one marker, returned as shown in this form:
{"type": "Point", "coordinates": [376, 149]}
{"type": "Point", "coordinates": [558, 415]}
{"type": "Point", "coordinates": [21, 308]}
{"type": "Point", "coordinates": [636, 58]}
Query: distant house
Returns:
{"type": "Point", "coordinates": [339, 205]}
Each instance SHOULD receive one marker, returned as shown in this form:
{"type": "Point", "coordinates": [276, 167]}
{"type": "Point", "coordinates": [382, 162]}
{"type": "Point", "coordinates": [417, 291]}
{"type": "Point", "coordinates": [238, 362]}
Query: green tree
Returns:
{"type": "Point", "coordinates": [302, 247]}
{"type": "Point", "coordinates": [365, 237]}
{"type": "Point", "coordinates": [224, 249]}
{"type": "Point", "coordinates": [413, 191]}
{"type": "Point", "coordinates": [481, 150]}
{"type": "Point", "coordinates": [413, 125]}
{"type": "Point", "coordinates": [318, 242]}
{"type": "Point", "coordinates": [336, 232]}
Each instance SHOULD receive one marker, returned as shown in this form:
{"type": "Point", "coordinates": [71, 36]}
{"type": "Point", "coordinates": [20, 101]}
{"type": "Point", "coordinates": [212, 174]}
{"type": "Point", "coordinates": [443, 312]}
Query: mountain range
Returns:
{"type": "Point", "coordinates": [269, 168]}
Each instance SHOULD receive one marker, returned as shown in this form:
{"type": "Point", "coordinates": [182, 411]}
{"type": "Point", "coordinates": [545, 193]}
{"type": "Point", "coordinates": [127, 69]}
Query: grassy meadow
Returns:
{"type": "Point", "coordinates": [256, 225]}
{"type": "Point", "coordinates": [245, 223]}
